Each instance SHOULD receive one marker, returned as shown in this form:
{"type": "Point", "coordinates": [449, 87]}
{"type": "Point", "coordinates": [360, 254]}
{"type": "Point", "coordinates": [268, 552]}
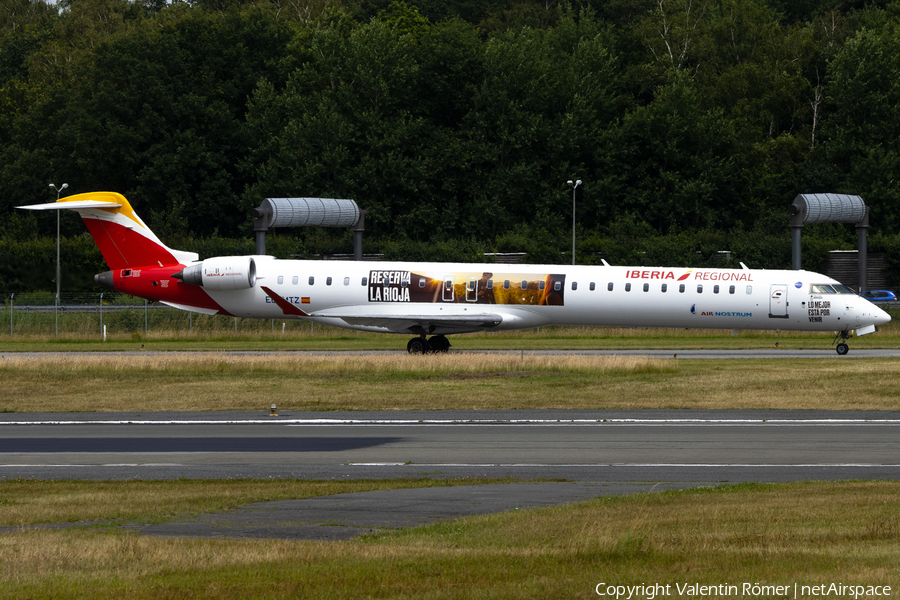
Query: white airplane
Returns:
{"type": "Point", "coordinates": [438, 299]}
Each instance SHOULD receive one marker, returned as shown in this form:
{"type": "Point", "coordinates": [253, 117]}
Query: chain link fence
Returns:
{"type": "Point", "coordinates": [112, 314]}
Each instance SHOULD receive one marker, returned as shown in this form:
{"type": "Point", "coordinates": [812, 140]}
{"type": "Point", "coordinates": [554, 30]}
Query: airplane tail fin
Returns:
{"type": "Point", "coordinates": [122, 237]}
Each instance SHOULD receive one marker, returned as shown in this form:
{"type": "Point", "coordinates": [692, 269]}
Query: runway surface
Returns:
{"type": "Point", "coordinates": [603, 451]}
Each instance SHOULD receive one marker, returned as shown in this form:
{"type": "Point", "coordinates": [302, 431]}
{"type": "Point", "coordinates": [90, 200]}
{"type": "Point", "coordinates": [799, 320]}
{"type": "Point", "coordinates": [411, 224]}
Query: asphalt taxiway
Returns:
{"type": "Point", "coordinates": [597, 452]}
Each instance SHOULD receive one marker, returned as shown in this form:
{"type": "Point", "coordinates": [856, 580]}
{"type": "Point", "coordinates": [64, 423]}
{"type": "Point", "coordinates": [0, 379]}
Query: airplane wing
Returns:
{"type": "Point", "coordinates": [427, 322]}
{"type": "Point", "coordinates": [400, 323]}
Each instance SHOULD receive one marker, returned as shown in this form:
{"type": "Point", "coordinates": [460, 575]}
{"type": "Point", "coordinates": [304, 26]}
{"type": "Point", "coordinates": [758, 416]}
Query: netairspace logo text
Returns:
{"type": "Point", "coordinates": [649, 591]}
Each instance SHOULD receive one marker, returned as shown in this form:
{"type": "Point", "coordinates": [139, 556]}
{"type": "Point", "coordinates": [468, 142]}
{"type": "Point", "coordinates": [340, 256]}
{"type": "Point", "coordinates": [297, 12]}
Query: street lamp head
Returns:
{"type": "Point", "coordinates": [65, 185]}
{"type": "Point", "coordinates": [568, 183]}
{"type": "Point", "coordinates": [577, 183]}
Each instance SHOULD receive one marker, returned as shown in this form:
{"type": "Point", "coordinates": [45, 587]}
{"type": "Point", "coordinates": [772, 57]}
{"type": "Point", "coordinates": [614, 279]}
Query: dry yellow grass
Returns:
{"type": "Point", "coordinates": [192, 382]}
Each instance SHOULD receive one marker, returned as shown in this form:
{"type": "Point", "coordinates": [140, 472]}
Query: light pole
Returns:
{"type": "Point", "coordinates": [58, 192]}
{"type": "Point", "coordinates": [574, 187]}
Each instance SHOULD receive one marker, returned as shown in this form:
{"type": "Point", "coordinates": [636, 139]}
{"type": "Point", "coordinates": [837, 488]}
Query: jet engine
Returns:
{"type": "Point", "coordinates": [221, 273]}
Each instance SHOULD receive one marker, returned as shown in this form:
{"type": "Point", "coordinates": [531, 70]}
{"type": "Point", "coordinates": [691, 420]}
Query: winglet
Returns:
{"type": "Point", "coordinates": [285, 306]}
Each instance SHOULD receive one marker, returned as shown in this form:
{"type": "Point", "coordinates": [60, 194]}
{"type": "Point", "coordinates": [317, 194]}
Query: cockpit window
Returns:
{"type": "Point", "coordinates": [829, 288]}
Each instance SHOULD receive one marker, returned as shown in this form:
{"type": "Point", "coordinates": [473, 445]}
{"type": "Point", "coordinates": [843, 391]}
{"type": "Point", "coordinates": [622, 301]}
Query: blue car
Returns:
{"type": "Point", "coordinates": [879, 296]}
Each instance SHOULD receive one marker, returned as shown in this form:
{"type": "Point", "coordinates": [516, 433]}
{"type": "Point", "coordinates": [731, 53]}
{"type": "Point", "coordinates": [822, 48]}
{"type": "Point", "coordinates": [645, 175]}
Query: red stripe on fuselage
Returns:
{"type": "Point", "coordinates": [122, 247]}
{"type": "Point", "coordinates": [157, 283]}
{"type": "Point", "coordinates": [285, 306]}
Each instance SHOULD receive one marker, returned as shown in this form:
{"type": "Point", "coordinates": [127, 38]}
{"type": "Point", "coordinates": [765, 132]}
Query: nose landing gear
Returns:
{"type": "Point", "coordinates": [842, 348]}
{"type": "Point", "coordinates": [419, 345]}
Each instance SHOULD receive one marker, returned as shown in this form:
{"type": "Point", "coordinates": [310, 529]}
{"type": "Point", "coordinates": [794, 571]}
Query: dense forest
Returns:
{"type": "Point", "coordinates": [455, 123]}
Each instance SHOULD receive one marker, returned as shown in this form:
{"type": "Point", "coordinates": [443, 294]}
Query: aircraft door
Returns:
{"type": "Point", "coordinates": [472, 289]}
{"type": "Point", "coordinates": [778, 301]}
{"type": "Point", "coordinates": [448, 289]}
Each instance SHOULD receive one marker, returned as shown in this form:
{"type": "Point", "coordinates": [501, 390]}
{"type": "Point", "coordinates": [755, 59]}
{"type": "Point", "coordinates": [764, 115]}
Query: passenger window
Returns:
{"type": "Point", "coordinates": [610, 286]}
{"type": "Point", "coordinates": [328, 281]}
{"type": "Point", "coordinates": [540, 285]}
{"type": "Point", "coordinates": [681, 288]}
{"type": "Point", "coordinates": [574, 285]}
{"type": "Point", "coordinates": [280, 279]}
{"type": "Point", "coordinates": [312, 280]}
{"type": "Point", "coordinates": [646, 287]}
{"type": "Point", "coordinates": [749, 289]}
{"type": "Point", "coordinates": [506, 284]}
{"type": "Point", "coordinates": [295, 280]}
{"type": "Point", "coordinates": [346, 281]}
{"type": "Point", "coordinates": [699, 288]}
{"type": "Point", "coordinates": [664, 287]}
{"type": "Point", "coordinates": [470, 285]}
{"type": "Point", "coordinates": [364, 282]}
{"type": "Point", "coordinates": [558, 286]}
{"type": "Point", "coordinates": [421, 282]}
{"type": "Point", "coordinates": [524, 285]}
{"type": "Point", "coordinates": [490, 284]}
{"type": "Point", "coordinates": [731, 289]}
{"type": "Point", "coordinates": [592, 286]}
{"type": "Point", "coordinates": [715, 289]}
{"type": "Point", "coordinates": [627, 287]}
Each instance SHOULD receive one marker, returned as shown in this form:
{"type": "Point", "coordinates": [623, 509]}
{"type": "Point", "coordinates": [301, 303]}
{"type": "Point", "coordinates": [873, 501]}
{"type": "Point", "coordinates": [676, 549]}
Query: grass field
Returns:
{"type": "Point", "coordinates": [804, 533]}
{"type": "Point", "coordinates": [222, 333]}
{"type": "Point", "coordinates": [205, 382]}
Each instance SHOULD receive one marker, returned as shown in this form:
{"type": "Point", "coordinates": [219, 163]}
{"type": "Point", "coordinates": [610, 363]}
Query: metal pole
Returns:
{"type": "Point", "coordinates": [11, 296]}
{"type": "Point", "coordinates": [56, 313]}
{"type": "Point", "coordinates": [796, 233]}
{"type": "Point", "coordinates": [145, 317]}
{"type": "Point", "coordinates": [57, 249]}
{"type": "Point", "coordinates": [862, 257]}
{"type": "Point", "coordinates": [101, 313]}
{"type": "Point", "coordinates": [574, 185]}
{"type": "Point", "coordinates": [358, 230]}
{"type": "Point", "coordinates": [58, 192]}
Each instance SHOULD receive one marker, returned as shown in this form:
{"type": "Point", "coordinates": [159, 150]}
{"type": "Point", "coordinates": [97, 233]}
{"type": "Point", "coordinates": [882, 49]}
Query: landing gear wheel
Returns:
{"type": "Point", "coordinates": [842, 348]}
{"type": "Point", "coordinates": [417, 345]}
{"type": "Point", "coordinates": [439, 343]}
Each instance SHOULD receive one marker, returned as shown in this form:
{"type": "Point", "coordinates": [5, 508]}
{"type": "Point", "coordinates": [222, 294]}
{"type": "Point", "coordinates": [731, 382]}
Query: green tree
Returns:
{"type": "Point", "coordinates": [862, 131]}
{"type": "Point", "coordinates": [346, 125]}
{"type": "Point", "coordinates": [156, 114]}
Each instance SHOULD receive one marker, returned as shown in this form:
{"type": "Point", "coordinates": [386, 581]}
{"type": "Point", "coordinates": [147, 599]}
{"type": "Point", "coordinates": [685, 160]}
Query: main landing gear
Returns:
{"type": "Point", "coordinates": [842, 348]}
{"type": "Point", "coordinates": [419, 345]}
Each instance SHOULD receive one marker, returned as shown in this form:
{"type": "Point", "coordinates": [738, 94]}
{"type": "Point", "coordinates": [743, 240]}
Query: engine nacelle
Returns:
{"type": "Point", "coordinates": [221, 273]}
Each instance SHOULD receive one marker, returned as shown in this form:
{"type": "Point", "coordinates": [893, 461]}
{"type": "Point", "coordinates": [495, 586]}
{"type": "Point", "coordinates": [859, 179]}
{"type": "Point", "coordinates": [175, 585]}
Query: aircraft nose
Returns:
{"type": "Point", "coordinates": [881, 316]}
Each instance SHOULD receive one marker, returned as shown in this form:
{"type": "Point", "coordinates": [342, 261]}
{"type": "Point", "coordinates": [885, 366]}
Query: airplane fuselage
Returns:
{"type": "Point", "coordinates": [437, 299]}
{"type": "Point", "coordinates": [356, 294]}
